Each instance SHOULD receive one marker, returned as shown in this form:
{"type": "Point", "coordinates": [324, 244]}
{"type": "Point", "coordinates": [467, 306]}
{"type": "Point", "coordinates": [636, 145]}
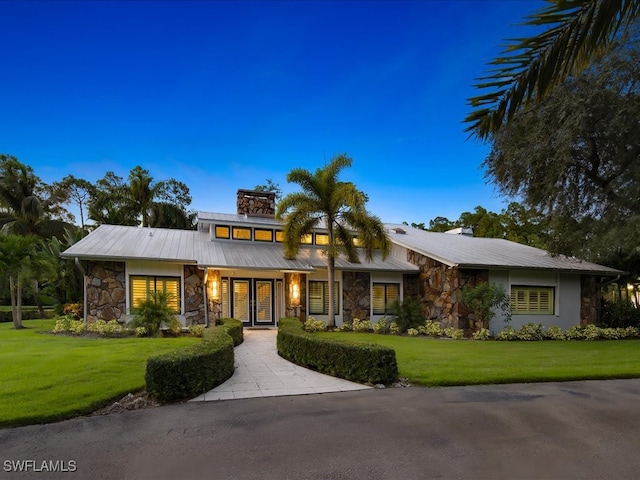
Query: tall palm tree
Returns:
{"type": "Point", "coordinates": [16, 255]}
{"type": "Point", "coordinates": [575, 32]}
{"type": "Point", "coordinates": [326, 202]}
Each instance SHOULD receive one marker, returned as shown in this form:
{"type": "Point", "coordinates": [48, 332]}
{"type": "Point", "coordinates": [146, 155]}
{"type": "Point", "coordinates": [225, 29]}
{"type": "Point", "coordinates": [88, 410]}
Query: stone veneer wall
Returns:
{"type": "Point", "coordinates": [356, 295]}
{"type": "Point", "coordinates": [439, 289]}
{"type": "Point", "coordinates": [256, 203]}
{"type": "Point", "coordinates": [193, 295]}
{"type": "Point", "coordinates": [106, 293]}
{"type": "Point", "coordinates": [589, 311]}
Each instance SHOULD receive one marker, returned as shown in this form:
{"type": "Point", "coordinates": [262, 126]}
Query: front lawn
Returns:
{"type": "Point", "coordinates": [433, 362]}
{"type": "Point", "coordinates": [45, 378]}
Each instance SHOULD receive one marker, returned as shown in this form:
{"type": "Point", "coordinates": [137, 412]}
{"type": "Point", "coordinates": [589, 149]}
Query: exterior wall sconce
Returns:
{"type": "Point", "coordinates": [295, 292]}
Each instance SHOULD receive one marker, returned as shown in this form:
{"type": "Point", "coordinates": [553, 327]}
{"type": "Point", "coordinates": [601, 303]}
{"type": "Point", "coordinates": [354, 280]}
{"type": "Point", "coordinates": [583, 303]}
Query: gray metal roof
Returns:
{"type": "Point", "coordinates": [474, 252]}
{"type": "Point", "coordinates": [115, 242]}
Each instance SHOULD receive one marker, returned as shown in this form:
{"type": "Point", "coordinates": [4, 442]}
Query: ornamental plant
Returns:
{"type": "Point", "coordinates": [153, 313]}
{"type": "Point", "coordinates": [530, 332]}
{"type": "Point", "coordinates": [482, 334]}
{"type": "Point", "coordinates": [412, 332]}
{"type": "Point", "coordinates": [454, 333]}
{"type": "Point", "coordinates": [485, 299]}
{"type": "Point", "coordinates": [197, 329]}
{"type": "Point", "coordinates": [313, 325]}
{"type": "Point", "coordinates": [433, 328]}
{"type": "Point", "coordinates": [381, 326]}
{"type": "Point", "coordinates": [361, 325]}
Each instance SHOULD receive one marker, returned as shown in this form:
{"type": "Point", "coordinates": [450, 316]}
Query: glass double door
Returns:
{"type": "Point", "coordinates": [252, 301]}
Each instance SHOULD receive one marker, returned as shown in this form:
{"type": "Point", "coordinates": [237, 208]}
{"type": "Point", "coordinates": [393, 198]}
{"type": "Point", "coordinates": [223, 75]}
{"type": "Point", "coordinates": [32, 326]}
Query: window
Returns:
{"type": "Point", "coordinates": [224, 298]}
{"type": "Point", "coordinates": [263, 235]}
{"type": "Point", "coordinates": [222, 231]}
{"type": "Point", "coordinates": [279, 236]}
{"type": "Point", "coordinates": [142, 287]}
{"type": "Point", "coordinates": [319, 298]}
{"type": "Point", "coordinates": [384, 294]}
{"type": "Point", "coordinates": [322, 239]}
{"type": "Point", "coordinates": [306, 239]}
{"type": "Point", "coordinates": [241, 233]}
{"type": "Point", "coordinates": [532, 300]}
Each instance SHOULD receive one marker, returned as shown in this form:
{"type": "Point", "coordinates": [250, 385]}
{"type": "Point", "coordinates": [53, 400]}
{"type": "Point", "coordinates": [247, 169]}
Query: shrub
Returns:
{"type": "Point", "coordinates": [108, 329]}
{"type": "Point", "coordinates": [381, 326]}
{"type": "Point", "coordinates": [530, 332]}
{"type": "Point", "coordinates": [620, 313]}
{"type": "Point", "coordinates": [482, 334]}
{"type": "Point", "coordinates": [454, 333]}
{"type": "Point", "coordinates": [631, 332]}
{"type": "Point", "coordinates": [313, 325]}
{"type": "Point", "coordinates": [575, 332]}
{"type": "Point", "coordinates": [433, 329]}
{"type": "Point", "coordinates": [359, 362]}
{"type": "Point", "coordinates": [197, 329]}
{"type": "Point", "coordinates": [394, 329]}
{"type": "Point", "coordinates": [554, 332]}
{"type": "Point", "coordinates": [591, 332]}
{"type": "Point", "coordinates": [141, 332]}
{"type": "Point", "coordinates": [191, 371]}
{"type": "Point", "coordinates": [74, 309]}
{"type": "Point", "coordinates": [507, 333]}
{"type": "Point", "coordinates": [63, 324]}
{"type": "Point", "coordinates": [345, 327]}
{"type": "Point", "coordinates": [407, 314]}
{"type": "Point", "coordinates": [484, 298]}
{"type": "Point", "coordinates": [77, 327]}
{"type": "Point", "coordinates": [361, 325]}
{"type": "Point", "coordinates": [153, 312]}
{"type": "Point", "coordinates": [234, 329]}
{"type": "Point", "coordinates": [412, 332]}
{"type": "Point", "coordinates": [7, 316]}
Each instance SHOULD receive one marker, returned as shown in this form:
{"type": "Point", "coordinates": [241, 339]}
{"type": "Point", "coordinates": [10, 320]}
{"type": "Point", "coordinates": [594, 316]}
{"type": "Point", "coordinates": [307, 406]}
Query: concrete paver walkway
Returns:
{"type": "Point", "coordinates": [261, 372]}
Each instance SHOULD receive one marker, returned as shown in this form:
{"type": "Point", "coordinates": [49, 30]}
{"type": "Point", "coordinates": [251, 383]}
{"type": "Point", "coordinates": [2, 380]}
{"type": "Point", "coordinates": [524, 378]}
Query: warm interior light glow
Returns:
{"type": "Point", "coordinates": [215, 292]}
{"type": "Point", "coordinates": [295, 291]}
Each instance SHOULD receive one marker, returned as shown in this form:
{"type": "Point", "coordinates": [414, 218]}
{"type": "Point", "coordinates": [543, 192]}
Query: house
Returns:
{"type": "Point", "coordinates": [233, 266]}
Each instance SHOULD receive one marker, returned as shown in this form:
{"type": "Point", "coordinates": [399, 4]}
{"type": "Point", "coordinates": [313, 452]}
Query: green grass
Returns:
{"type": "Point", "coordinates": [45, 378]}
{"type": "Point", "coordinates": [434, 362]}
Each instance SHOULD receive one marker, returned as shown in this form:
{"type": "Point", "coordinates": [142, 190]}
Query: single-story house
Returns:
{"type": "Point", "coordinates": [233, 266]}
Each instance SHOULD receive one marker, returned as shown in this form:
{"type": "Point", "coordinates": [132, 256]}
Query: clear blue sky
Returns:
{"type": "Point", "coordinates": [222, 95]}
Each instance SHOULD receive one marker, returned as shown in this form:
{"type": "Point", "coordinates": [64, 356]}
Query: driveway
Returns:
{"type": "Point", "coordinates": [542, 431]}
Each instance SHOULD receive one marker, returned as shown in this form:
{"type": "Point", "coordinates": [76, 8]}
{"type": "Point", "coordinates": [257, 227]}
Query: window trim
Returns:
{"type": "Point", "coordinates": [236, 237]}
{"type": "Point", "coordinates": [215, 228]}
{"type": "Point", "coordinates": [528, 290]}
{"type": "Point", "coordinates": [154, 279]}
{"type": "Point", "coordinates": [262, 230]}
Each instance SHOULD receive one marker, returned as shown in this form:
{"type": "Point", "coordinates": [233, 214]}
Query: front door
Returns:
{"type": "Point", "coordinates": [252, 301]}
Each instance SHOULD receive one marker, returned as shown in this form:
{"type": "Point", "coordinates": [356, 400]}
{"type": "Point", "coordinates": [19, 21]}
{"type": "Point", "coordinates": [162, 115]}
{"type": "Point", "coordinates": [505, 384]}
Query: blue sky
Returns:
{"type": "Point", "coordinates": [223, 95]}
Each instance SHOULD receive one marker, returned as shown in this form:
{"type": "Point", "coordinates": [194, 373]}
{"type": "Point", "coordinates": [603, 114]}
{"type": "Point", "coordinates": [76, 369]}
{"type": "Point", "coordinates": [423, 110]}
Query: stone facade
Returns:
{"type": "Point", "coordinates": [193, 295]}
{"type": "Point", "coordinates": [356, 295]}
{"type": "Point", "coordinates": [438, 287]}
{"type": "Point", "coordinates": [254, 203]}
{"type": "Point", "coordinates": [106, 292]}
{"type": "Point", "coordinates": [589, 300]}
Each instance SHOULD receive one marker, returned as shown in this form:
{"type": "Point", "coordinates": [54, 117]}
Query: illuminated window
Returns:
{"type": "Point", "coordinates": [222, 231]}
{"type": "Point", "coordinates": [532, 300]}
{"type": "Point", "coordinates": [263, 235]}
{"type": "Point", "coordinates": [143, 287]}
{"type": "Point", "coordinates": [322, 239]}
{"type": "Point", "coordinates": [279, 236]}
{"type": "Point", "coordinates": [306, 239]}
{"type": "Point", "coordinates": [241, 233]}
{"type": "Point", "coordinates": [384, 294]}
{"type": "Point", "coordinates": [319, 298]}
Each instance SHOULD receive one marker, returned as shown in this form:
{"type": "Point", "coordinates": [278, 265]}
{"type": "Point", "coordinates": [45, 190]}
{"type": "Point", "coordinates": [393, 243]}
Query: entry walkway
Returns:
{"type": "Point", "coordinates": [261, 372]}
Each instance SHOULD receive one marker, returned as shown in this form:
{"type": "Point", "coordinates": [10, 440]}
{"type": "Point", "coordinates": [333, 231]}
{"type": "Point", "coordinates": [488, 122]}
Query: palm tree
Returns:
{"type": "Point", "coordinates": [575, 33]}
{"type": "Point", "coordinates": [326, 202]}
{"type": "Point", "coordinates": [22, 209]}
{"type": "Point", "coordinates": [16, 255]}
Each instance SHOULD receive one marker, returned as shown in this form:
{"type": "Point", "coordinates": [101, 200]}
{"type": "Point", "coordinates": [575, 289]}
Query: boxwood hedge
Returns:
{"type": "Point", "coordinates": [191, 371]}
{"type": "Point", "coordinates": [234, 329]}
{"type": "Point", "coordinates": [359, 362]}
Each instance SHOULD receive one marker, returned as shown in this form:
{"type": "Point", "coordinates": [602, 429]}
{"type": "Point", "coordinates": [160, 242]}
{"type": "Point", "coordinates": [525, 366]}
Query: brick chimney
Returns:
{"type": "Point", "coordinates": [256, 204]}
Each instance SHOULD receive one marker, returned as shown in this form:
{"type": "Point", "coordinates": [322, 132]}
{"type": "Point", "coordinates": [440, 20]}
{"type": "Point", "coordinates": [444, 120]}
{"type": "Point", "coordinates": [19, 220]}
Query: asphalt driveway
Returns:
{"type": "Point", "coordinates": [547, 431]}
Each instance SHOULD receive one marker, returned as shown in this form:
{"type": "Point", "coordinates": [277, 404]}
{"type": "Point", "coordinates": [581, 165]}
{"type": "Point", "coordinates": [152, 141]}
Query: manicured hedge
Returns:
{"type": "Point", "coordinates": [191, 371]}
{"type": "Point", "coordinates": [234, 329]}
{"type": "Point", "coordinates": [359, 362]}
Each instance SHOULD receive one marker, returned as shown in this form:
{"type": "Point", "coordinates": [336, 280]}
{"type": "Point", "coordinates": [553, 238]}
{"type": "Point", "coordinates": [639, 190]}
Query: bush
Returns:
{"type": "Point", "coordinates": [433, 329]}
{"type": "Point", "coordinates": [359, 362]}
{"type": "Point", "coordinates": [454, 333]}
{"type": "Point", "coordinates": [407, 314]}
{"type": "Point", "coordinates": [507, 333]}
{"type": "Point", "coordinates": [191, 371]}
{"type": "Point", "coordinates": [108, 329]}
{"type": "Point", "coordinates": [591, 332]}
{"type": "Point", "coordinates": [361, 325]}
{"type": "Point", "coordinates": [482, 334]}
{"type": "Point", "coordinates": [7, 316]}
{"type": "Point", "coordinates": [412, 332]}
{"type": "Point", "coordinates": [313, 325]}
{"type": "Point", "coordinates": [394, 329]}
{"type": "Point", "coordinates": [345, 327]}
{"type": "Point", "coordinates": [554, 332]}
{"type": "Point", "coordinates": [620, 313]}
{"type": "Point", "coordinates": [381, 326]}
{"type": "Point", "coordinates": [530, 332]}
{"type": "Point", "coordinates": [197, 329]}
{"type": "Point", "coordinates": [234, 329]}
{"type": "Point", "coordinates": [74, 309]}
{"type": "Point", "coordinates": [141, 332]}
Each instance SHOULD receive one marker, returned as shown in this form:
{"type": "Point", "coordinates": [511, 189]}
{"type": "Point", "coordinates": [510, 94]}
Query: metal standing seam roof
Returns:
{"type": "Point", "coordinates": [115, 242]}
{"type": "Point", "coordinates": [474, 252]}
